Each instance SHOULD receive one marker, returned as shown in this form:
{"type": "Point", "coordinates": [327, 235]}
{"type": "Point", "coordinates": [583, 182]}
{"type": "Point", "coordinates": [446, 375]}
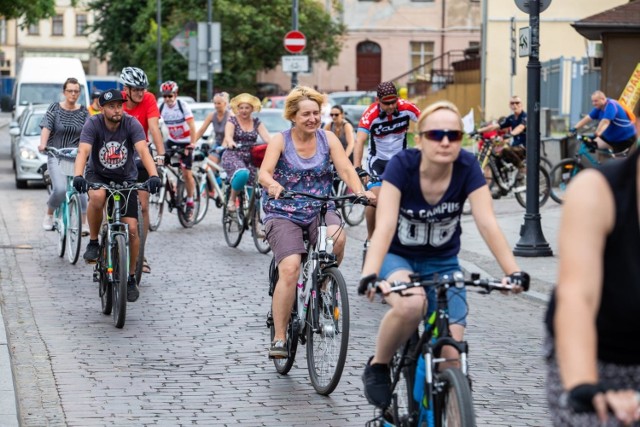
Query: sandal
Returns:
{"type": "Point", "coordinates": [231, 206]}
{"type": "Point", "coordinates": [146, 268]}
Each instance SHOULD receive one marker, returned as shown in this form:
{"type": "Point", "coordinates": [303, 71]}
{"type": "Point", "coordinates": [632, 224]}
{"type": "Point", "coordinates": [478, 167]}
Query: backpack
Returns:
{"type": "Point", "coordinates": [179, 106]}
{"type": "Point", "coordinates": [625, 107]}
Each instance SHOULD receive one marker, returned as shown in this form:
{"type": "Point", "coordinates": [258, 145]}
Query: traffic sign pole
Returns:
{"type": "Point", "coordinates": [294, 75]}
{"type": "Point", "coordinates": [532, 242]}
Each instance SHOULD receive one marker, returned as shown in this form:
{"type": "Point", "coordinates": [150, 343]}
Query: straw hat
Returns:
{"type": "Point", "coordinates": [245, 98]}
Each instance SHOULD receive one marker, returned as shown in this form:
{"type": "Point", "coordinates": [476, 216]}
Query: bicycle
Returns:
{"type": "Point", "coordinates": [247, 215]}
{"type": "Point", "coordinates": [67, 218]}
{"type": "Point", "coordinates": [111, 270]}
{"type": "Point", "coordinates": [174, 191]}
{"type": "Point", "coordinates": [320, 316]}
{"type": "Point", "coordinates": [566, 169]}
{"type": "Point", "coordinates": [353, 213]}
{"type": "Point", "coordinates": [212, 180]}
{"type": "Point", "coordinates": [421, 393]}
{"type": "Point", "coordinates": [507, 176]}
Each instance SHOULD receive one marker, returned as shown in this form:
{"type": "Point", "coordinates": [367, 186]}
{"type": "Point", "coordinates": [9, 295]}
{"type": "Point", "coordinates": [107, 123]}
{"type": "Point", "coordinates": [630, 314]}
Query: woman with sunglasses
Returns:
{"type": "Point", "coordinates": [423, 192]}
{"type": "Point", "coordinates": [343, 130]}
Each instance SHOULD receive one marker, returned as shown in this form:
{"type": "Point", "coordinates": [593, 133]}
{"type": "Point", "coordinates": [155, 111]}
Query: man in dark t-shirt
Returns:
{"type": "Point", "coordinates": [108, 141]}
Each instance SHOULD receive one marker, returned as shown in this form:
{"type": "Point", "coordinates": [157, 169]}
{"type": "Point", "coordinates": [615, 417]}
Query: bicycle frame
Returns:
{"type": "Point", "coordinates": [207, 171]}
{"type": "Point", "coordinates": [115, 226]}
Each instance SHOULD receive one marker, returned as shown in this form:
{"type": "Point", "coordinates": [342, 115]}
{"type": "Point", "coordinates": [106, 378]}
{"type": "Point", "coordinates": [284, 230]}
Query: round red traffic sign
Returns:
{"type": "Point", "coordinates": [294, 41]}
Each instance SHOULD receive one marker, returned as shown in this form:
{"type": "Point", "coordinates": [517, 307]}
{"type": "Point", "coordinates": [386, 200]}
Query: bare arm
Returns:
{"type": "Point", "coordinates": [587, 218]}
{"type": "Point", "coordinates": [358, 150]}
{"type": "Point", "coordinates": [229, 130]}
{"type": "Point", "coordinates": [518, 129]}
{"type": "Point", "coordinates": [583, 121]}
{"type": "Point", "coordinates": [386, 223]}
{"type": "Point", "coordinates": [192, 131]}
{"type": "Point", "coordinates": [348, 129]}
{"type": "Point", "coordinates": [84, 149]}
{"type": "Point", "coordinates": [489, 127]}
{"type": "Point", "coordinates": [271, 157]}
{"type": "Point", "coordinates": [485, 219]}
{"type": "Point", "coordinates": [154, 129]}
{"type": "Point", "coordinates": [602, 126]}
{"type": "Point", "coordinates": [44, 137]}
{"type": "Point", "coordinates": [264, 133]}
{"type": "Point", "coordinates": [205, 125]}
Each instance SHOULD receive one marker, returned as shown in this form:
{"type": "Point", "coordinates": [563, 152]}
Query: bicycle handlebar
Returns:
{"type": "Point", "coordinates": [67, 153]}
{"type": "Point", "coordinates": [125, 186]}
{"type": "Point", "coordinates": [456, 280]}
{"type": "Point", "coordinates": [290, 194]}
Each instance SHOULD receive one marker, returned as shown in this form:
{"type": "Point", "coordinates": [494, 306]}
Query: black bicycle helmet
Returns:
{"type": "Point", "coordinates": [134, 77]}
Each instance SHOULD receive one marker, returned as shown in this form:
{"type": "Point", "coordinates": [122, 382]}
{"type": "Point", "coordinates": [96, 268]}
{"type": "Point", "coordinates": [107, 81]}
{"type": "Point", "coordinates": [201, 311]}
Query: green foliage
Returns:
{"type": "Point", "coordinates": [28, 11]}
{"type": "Point", "coordinates": [252, 36]}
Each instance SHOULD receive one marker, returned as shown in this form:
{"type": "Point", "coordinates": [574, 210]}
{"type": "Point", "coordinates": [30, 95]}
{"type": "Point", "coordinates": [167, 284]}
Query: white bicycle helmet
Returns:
{"type": "Point", "coordinates": [134, 77]}
{"type": "Point", "coordinates": [169, 87]}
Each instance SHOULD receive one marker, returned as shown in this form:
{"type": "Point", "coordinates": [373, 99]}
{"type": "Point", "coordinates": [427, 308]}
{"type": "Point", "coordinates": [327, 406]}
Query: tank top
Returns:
{"type": "Point", "coordinates": [310, 175]}
{"type": "Point", "coordinates": [218, 126]}
{"type": "Point", "coordinates": [343, 135]}
{"type": "Point", "coordinates": [617, 323]}
{"type": "Point", "coordinates": [242, 137]}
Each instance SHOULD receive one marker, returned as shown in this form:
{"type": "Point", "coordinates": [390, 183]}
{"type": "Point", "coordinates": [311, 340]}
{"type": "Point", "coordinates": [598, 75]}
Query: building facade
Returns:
{"type": "Point", "coordinates": [387, 39]}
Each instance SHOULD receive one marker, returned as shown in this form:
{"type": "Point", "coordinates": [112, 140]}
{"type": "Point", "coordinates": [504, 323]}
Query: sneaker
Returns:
{"type": "Point", "coordinates": [47, 222]}
{"type": "Point", "coordinates": [377, 384]}
{"type": "Point", "coordinates": [278, 350]}
{"type": "Point", "coordinates": [188, 211]}
{"type": "Point", "coordinates": [93, 251]}
{"type": "Point", "coordinates": [133, 293]}
{"type": "Point", "coordinates": [496, 194]}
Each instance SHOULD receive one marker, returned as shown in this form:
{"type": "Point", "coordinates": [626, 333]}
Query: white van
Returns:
{"type": "Point", "coordinates": [40, 79]}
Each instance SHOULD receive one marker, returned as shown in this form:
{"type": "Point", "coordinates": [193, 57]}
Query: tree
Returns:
{"type": "Point", "coordinates": [28, 11]}
{"type": "Point", "coordinates": [252, 35]}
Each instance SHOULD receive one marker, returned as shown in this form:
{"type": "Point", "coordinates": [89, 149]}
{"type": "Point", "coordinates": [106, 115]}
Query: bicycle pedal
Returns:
{"type": "Point", "coordinates": [96, 276]}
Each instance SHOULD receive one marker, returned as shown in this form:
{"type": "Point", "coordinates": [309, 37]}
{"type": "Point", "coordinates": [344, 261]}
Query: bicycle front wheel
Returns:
{"type": "Point", "coordinates": [353, 213]}
{"type": "Point", "coordinates": [156, 207]}
{"type": "Point", "coordinates": [203, 196]}
{"type": "Point", "coordinates": [232, 223]}
{"type": "Point", "coordinates": [257, 229]}
{"type": "Point", "coordinates": [188, 220]}
{"type": "Point", "coordinates": [327, 346]}
{"type": "Point", "coordinates": [58, 221]}
{"type": "Point", "coordinates": [120, 276]}
{"type": "Point", "coordinates": [142, 238]}
{"type": "Point", "coordinates": [405, 408]}
{"type": "Point", "coordinates": [561, 176]}
{"type": "Point", "coordinates": [454, 405]}
{"type": "Point", "coordinates": [74, 228]}
{"type": "Point", "coordinates": [544, 187]}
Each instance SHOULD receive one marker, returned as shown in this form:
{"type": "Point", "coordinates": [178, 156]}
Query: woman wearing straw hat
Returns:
{"type": "Point", "coordinates": [240, 134]}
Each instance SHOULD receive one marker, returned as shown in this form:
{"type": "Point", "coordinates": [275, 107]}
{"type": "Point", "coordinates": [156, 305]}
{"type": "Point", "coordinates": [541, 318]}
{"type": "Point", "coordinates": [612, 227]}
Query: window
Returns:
{"type": "Point", "coordinates": [81, 25]}
{"type": "Point", "coordinates": [421, 53]}
{"type": "Point", "coordinates": [34, 29]}
{"type": "Point", "coordinates": [3, 31]}
{"type": "Point", "coordinates": [57, 26]}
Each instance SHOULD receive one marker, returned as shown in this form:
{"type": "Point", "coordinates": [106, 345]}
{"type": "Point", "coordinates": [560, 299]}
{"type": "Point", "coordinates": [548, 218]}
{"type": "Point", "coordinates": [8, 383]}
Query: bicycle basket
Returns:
{"type": "Point", "coordinates": [67, 165]}
{"type": "Point", "coordinates": [257, 154]}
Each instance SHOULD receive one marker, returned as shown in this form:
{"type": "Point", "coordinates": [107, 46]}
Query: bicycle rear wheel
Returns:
{"type": "Point", "coordinates": [404, 407]}
{"type": "Point", "coordinates": [232, 223]}
{"type": "Point", "coordinates": [353, 213]}
{"type": "Point", "coordinates": [120, 276]}
{"type": "Point", "coordinates": [327, 347]}
{"type": "Point", "coordinates": [454, 403]}
{"type": "Point", "coordinates": [561, 176]}
{"type": "Point", "coordinates": [104, 287]}
{"type": "Point", "coordinates": [74, 228]}
{"type": "Point", "coordinates": [187, 221]}
{"type": "Point", "coordinates": [203, 195]}
{"type": "Point", "coordinates": [156, 207]}
{"type": "Point", "coordinates": [544, 187]}
{"type": "Point", "coordinates": [257, 228]}
{"type": "Point", "coordinates": [58, 221]}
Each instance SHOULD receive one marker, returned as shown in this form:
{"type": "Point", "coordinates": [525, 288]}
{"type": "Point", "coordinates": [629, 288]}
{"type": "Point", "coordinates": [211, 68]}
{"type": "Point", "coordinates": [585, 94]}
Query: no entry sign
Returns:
{"type": "Point", "coordinates": [294, 41]}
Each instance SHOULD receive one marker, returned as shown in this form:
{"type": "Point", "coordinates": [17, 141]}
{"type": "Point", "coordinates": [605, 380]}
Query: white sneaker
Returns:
{"type": "Point", "coordinates": [47, 222]}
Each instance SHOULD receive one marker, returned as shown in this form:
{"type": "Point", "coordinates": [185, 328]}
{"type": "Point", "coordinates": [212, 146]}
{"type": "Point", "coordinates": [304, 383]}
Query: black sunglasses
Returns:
{"type": "Point", "coordinates": [439, 134]}
{"type": "Point", "coordinates": [389, 103]}
{"type": "Point", "coordinates": [167, 96]}
{"type": "Point", "coordinates": [334, 114]}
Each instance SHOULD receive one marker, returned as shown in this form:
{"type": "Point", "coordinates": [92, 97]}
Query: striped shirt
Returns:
{"type": "Point", "coordinates": [65, 125]}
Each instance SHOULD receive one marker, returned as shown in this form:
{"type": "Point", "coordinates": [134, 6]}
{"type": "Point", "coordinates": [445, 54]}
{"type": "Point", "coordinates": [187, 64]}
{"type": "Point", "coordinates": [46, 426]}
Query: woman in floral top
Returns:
{"type": "Point", "coordinates": [300, 159]}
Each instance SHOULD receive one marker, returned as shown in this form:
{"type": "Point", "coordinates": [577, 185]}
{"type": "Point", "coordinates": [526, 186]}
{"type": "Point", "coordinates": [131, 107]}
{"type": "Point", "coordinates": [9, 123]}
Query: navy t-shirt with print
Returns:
{"type": "Point", "coordinates": [426, 230]}
{"type": "Point", "coordinates": [112, 152]}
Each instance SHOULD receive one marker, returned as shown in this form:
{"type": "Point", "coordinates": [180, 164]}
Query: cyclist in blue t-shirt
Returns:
{"type": "Point", "coordinates": [423, 192]}
{"type": "Point", "coordinates": [615, 131]}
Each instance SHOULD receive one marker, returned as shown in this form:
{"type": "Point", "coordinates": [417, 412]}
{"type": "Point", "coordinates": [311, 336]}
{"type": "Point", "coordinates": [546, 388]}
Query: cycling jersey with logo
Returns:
{"type": "Point", "coordinates": [387, 133]}
{"type": "Point", "coordinates": [426, 230]}
{"type": "Point", "coordinates": [175, 118]}
{"type": "Point", "coordinates": [620, 127]}
{"type": "Point", "coordinates": [112, 152]}
{"type": "Point", "coordinates": [143, 111]}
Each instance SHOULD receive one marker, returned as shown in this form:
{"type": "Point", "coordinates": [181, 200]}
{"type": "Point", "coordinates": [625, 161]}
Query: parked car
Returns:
{"type": "Point", "coordinates": [273, 120]}
{"type": "Point", "coordinates": [354, 103]}
{"type": "Point", "coordinates": [28, 163]}
{"type": "Point", "coordinates": [200, 111]}
{"type": "Point", "coordinates": [274, 101]}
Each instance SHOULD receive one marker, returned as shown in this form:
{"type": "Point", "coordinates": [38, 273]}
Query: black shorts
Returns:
{"type": "Point", "coordinates": [377, 167]}
{"type": "Point", "coordinates": [186, 158]}
{"type": "Point", "coordinates": [619, 146]}
{"type": "Point", "coordinates": [128, 199]}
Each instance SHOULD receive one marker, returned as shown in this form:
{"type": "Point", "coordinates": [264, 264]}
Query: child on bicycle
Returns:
{"type": "Point", "coordinates": [423, 192]}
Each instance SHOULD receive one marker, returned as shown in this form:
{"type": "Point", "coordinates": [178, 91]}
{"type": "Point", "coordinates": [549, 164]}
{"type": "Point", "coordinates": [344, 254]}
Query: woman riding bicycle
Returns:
{"type": "Point", "coordinates": [240, 135]}
{"type": "Point", "coordinates": [418, 231]}
{"type": "Point", "coordinates": [300, 159]}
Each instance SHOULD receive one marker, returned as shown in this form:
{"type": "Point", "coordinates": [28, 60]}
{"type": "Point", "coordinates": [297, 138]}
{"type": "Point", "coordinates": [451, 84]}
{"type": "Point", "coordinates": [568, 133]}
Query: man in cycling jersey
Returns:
{"type": "Point", "coordinates": [385, 124]}
{"type": "Point", "coordinates": [182, 133]}
{"type": "Point", "coordinates": [616, 130]}
{"type": "Point", "coordinates": [142, 105]}
{"type": "Point", "coordinates": [108, 140]}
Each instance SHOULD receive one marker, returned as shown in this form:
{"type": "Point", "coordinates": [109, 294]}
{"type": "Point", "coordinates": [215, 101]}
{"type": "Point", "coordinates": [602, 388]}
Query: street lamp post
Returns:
{"type": "Point", "coordinates": [159, 41]}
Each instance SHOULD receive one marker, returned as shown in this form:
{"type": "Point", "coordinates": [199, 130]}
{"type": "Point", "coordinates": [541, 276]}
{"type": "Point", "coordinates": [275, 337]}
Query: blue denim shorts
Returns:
{"type": "Point", "coordinates": [428, 267]}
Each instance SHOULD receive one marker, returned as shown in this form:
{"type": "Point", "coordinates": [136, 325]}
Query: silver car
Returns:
{"type": "Point", "coordinates": [28, 163]}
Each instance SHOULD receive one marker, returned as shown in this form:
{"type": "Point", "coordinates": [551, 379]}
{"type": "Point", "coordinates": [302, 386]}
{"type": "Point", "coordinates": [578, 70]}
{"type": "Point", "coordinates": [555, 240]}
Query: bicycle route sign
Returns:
{"type": "Point", "coordinates": [524, 42]}
{"type": "Point", "coordinates": [523, 5]}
